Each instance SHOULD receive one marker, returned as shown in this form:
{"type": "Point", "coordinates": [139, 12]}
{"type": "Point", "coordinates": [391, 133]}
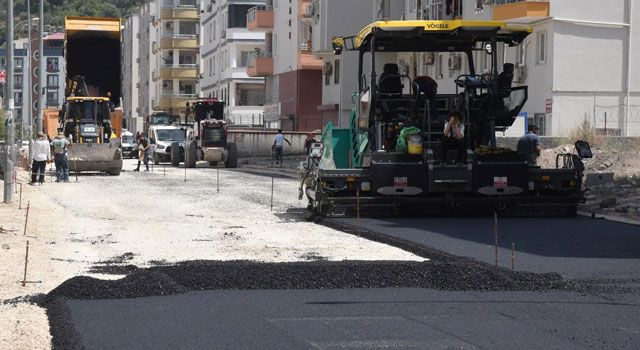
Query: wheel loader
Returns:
{"type": "Point", "coordinates": [91, 118]}
{"type": "Point", "coordinates": [393, 158]}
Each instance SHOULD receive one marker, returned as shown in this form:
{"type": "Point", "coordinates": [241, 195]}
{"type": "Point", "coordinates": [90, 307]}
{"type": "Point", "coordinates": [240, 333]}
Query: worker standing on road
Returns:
{"type": "Point", "coordinates": [529, 145]}
{"type": "Point", "coordinates": [278, 143]}
{"type": "Point", "coordinates": [143, 152]}
{"type": "Point", "coordinates": [60, 144]}
{"type": "Point", "coordinates": [41, 155]}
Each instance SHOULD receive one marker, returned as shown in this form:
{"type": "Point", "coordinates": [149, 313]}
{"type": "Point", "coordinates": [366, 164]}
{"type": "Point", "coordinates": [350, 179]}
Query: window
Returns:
{"type": "Point", "coordinates": [52, 65]}
{"type": "Point", "coordinates": [17, 97]}
{"type": "Point", "coordinates": [327, 73]}
{"type": "Point", "coordinates": [52, 80]}
{"type": "Point", "coordinates": [542, 122]}
{"type": "Point", "coordinates": [440, 68]}
{"type": "Point", "coordinates": [18, 81]}
{"type": "Point", "coordinates": [336, 72]}
{"type": "Point", "coordinates": [250, 95]}
{"type": "Point", "coordinates": [521, 54]}
{"type": "Point", "coordinates": [238, 15]}
{"type": "Point", "coordinates": [52, 98]}
{"type": "Point", "coordinates": [274, 44]}
{"type": "Point", "coordinates": [243, 58]}
{"type": "Point", "coordinates": [542, 47]}
{"type": "Point", "coordinates": [18, 63]}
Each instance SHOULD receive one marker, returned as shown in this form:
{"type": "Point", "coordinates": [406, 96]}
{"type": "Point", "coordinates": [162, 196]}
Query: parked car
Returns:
{"type": "Point", "coordinates": [128, 144]}
{"type": "Point", "coordinates": [161, 138]}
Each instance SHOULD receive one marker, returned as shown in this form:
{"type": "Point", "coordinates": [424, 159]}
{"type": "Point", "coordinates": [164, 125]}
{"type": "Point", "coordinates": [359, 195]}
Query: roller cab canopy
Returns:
{"type": "Point", "coordinates": [427, 36]}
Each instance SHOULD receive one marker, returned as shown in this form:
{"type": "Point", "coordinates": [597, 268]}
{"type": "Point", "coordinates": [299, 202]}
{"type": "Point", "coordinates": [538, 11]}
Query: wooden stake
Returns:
{"type": "Point", "coordinates": [185, 172]}
{"type": "Point", "coordinates": [218, 179]}
{"type": "Point", "coordinates": [26, 262]}
{"type": "Point", "coordinates": [164, 170]}
{"type": "Point", "coordinates": [358, 211]}
{"type": "Point", "coordinates": [26, 220]}
{"type": "Point", "coordinates": [20, 202]}
{"type": "Point", "coordinates": [495, 234]}
{"type": "Point", "coordinates": [272, 193]}
{"type": "Point", "coordinates": [513, 256]}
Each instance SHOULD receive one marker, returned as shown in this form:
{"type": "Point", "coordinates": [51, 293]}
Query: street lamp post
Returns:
{"type": "Point", "coordinates": [9, 137]}
{"type": "Point", "coordinates": [28, 113]}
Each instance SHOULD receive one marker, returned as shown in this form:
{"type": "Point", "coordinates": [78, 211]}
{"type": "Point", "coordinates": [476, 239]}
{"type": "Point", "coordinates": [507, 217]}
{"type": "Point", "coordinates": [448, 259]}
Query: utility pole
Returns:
{"type": "Point", "coordinates": [9, 137]}
{"type": "Point", "coordinates": [28, 112]}
{"type": "Point", "coordinates": [41, 95]}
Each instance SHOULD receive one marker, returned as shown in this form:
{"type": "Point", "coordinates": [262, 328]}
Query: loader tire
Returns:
{"type": "Point", "coordinates": [175, 154]}
{"type": "Point", "coordinates": [232, 156]}
{"type": "Point", "coordinates": [190, 155]}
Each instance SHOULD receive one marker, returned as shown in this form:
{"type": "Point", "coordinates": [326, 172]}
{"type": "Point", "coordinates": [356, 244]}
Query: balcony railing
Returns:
{"type": "Point", "coordinates": [179, 36]}
{"type": "Point", "coordinates": [171, 95]}
{"type": "Point", "coordinates": [251, 14]}
{"type": "Point", "coordinates": [180, 4]}
{"type": "Point", "coordinates": [502, 2]}
{"type": "Point", "coordinates": [252, 56]}
{"type": "Point", "coordinates": [171, 65]}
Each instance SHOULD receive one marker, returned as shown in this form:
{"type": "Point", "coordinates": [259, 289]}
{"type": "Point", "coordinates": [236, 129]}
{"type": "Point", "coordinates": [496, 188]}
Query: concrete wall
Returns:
{"type": "Point", "coordinates": [253, 143]}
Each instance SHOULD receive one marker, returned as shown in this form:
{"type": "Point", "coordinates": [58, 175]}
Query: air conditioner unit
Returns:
{"type": "Point", "coordinates": [138, 60]}
{"type": "Point", "coordinates": [138, 35]}
{"type": "Point", "coordinates": [154, 47]}
{"type": "Point", "coordinates": [223, 34]}
{"type": "Point", "coordinates": [153, 20]}
{"type": "Point", "coordinates": [137, 109]}
{"type": "Point", "coordinates": [137, 85]}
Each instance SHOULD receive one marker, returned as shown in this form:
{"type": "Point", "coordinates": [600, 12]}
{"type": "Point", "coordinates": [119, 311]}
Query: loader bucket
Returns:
{"type": "Point", "coordinates": [86, 157]}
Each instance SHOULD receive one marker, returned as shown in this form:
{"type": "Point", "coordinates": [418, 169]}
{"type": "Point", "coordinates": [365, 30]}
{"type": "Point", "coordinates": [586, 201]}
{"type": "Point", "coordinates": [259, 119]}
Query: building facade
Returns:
{"type": "Point", "coordinates": [130, 74]}
{"type": "Point", "coordinates": [293, 74]}
{"type": "Point", "coordinates": [166, 34]}
{"type": "Point", "coordinates": [226, 49]}
{"type": "Point", "coordinates": [580, 61]}
{"type": "Point", "coordinates": [54, 78]}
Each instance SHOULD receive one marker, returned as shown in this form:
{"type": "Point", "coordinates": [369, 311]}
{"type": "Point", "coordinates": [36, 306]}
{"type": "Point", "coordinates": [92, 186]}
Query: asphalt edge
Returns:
{"type": "Point", "coordinates": [63, 334]}
{"type": "Point", "coordinates": [612, 218]}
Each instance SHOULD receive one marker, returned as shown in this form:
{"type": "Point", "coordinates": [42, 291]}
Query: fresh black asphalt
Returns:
{"type": "Point", "coordinates": [576, 248]}
{"type": "Point", "coordinates": [357, 319]}
{"type": "Point", "coordinates": [455, 301]}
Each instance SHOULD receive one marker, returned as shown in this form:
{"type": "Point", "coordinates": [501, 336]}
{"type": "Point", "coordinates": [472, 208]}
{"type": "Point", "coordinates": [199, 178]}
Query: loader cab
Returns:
{"type": "Point", "coordinates": [86, 119]}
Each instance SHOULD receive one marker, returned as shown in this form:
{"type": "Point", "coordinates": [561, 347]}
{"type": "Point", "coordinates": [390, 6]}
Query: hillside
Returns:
{"type": "Point", "coordinates": [56, 10]}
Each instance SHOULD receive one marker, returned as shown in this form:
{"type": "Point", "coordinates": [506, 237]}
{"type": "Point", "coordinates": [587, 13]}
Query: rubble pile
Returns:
{"type": "Point", "coordinates": [621, 195]}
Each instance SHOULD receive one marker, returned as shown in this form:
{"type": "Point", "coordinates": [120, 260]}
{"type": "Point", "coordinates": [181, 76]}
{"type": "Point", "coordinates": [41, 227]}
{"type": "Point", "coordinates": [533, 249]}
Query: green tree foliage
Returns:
{"type": "Point", "coordinates": [56, 10]}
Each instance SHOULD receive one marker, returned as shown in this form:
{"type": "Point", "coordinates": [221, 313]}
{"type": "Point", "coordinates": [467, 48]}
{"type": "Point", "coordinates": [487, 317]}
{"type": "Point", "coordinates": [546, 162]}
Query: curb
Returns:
{"type": "Point", "coordinates": [610, 218]}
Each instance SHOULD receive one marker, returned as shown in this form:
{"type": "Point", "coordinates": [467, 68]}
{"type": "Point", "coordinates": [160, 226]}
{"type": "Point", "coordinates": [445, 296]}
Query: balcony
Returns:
{"type": "Point", "coordinates": [179, 41]}
{"type": "Point", "coordinates": [306, 11]}
{"type": "Point", "coordinates": [308, 61]}
{"type": "Point", "coordinates": [522, 11]}
{"type": "Point", "coordinates": [260, 19]}
{"type": "Point", "coordinates": [179, 10]}
{"type": "Point", "coordinates": [180, 71]}
{"type": "Point", "coordinates": [260, 64]}
{"type": "Point", "coordinates": [173, 101]}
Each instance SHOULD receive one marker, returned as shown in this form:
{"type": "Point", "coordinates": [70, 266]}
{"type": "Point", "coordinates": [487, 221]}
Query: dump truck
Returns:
{"type": "Point", "coordinates": [206, 136]}
{"type": "Point", "coordinates": [393, 158]}
{"type": "Point", "coordinates": [91, 117]}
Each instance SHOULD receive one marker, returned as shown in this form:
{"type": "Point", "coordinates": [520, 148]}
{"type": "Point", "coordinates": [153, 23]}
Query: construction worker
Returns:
{"type": "Point", "coordinates": [143, 152]}
{"type": "Point", "coordinates": [278, 143]}
{"type": "Point", "coordinates": [60, 144]}
{"type": "Point", "coordinates": [41, 155]}
{"type": "Point", "coordinates": [529, 145]}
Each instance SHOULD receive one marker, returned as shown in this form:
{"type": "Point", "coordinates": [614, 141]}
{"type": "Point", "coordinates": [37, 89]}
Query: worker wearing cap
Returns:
{"type": "Point", "coordinates": [41, 155]}
{"type": "Point", "coordinates": [60, 144]}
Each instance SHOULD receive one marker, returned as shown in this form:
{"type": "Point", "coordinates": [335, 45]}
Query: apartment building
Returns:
{"type": "Point", "coordinates": [226, 50]}
{"type": "Point", "coordinates": [333, 18]}
{"type": "Point", "coordinates": [54, 74]}
{"type": "Point", "coordinates": [131, 74]}
{"type": "Point", "coordinates": [166, 34]}
{"type": "Point", "coordinates": [580, 62]}
{"type": "Point", "coordinates": [293, 75]}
